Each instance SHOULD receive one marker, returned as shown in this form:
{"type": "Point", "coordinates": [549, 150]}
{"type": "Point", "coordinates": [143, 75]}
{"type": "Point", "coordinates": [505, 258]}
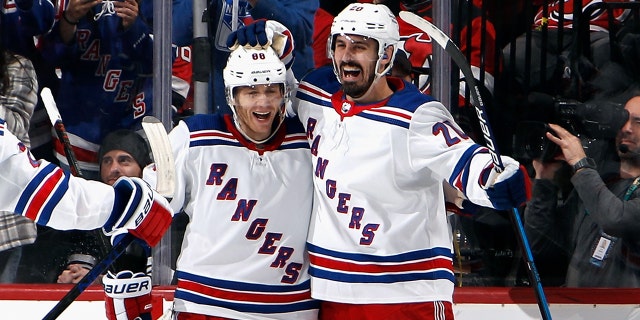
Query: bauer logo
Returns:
{"type": "Point", "coordinates": [128, 287]}
{"type": "Point", "coordinates": [145, 211]}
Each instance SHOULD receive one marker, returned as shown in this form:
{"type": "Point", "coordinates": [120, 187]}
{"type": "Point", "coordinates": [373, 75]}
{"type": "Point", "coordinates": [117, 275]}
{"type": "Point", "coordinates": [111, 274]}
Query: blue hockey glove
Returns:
{"type": "Point", "coordinates": [253, 35]}
{"type": "Point", "coordinates": [138, 210]}
{"type": "Point", "coordinates": [265, 33]}
{"type": "Point", "coordinates": [511, 189]}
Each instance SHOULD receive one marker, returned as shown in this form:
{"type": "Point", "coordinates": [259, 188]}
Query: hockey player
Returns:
{"type": "Point", "coordinates": [244, 181]}
{"type": "Point", "coordinates": [379, 243]}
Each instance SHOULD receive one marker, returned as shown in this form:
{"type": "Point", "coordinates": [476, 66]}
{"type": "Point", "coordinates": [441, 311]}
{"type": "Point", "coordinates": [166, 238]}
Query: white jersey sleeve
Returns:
{"type": "Point", "coordinates": [45, 193]}
{"type": "Point", "coordinates": [438, 143]}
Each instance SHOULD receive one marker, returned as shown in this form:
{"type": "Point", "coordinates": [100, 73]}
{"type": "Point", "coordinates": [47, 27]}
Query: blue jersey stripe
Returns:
{"type": "Point", "coordinates": [32, 187]}
{"type": "Point", "coordinates": [54, 199]}
{"type": "Point", "coordinates": [386, 278]}
{"type": "Point", "coordinates": [403, 257]}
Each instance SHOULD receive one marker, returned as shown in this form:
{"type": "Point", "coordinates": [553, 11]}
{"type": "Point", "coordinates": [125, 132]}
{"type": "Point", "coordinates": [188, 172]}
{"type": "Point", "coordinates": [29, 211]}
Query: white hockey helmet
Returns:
{"type": "Point", "coordinates": [375, 21]}
{"type": "Point", "coordinates": [248, 67]}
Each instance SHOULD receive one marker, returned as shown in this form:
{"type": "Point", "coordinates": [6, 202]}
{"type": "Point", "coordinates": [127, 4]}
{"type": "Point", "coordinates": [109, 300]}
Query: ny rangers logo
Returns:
{"type": "Point", "coordinates": [346, 106]}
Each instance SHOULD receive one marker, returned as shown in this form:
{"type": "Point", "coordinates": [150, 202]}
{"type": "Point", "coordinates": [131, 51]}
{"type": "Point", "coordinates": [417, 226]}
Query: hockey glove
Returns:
{"type": "Point", "coordinates": [512, 187]}
{"type": "Point", "coordinates": [264, 33]}
{"type": "Point", "coordinates": [127, 296]}
{"type": "Point", "coordinates": [137, 210]}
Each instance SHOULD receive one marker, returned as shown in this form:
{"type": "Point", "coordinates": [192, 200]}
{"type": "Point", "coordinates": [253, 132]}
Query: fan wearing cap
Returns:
{"type": "Point", "coordinates": [123, 153]}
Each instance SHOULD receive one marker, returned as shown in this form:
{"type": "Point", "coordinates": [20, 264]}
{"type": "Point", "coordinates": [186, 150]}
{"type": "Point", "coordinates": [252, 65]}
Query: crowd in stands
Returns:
{"type": "Point", "coordinates": [532, 59]}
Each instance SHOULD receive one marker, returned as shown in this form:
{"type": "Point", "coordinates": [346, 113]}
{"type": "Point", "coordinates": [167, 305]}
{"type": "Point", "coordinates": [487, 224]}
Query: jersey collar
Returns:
{"type": "Point", "coordinates": [347, 108]}
{"type": "Point", "coordinates": [272, 144]}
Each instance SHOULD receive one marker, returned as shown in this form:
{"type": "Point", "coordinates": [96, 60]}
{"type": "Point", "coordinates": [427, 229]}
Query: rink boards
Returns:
{"type": "Point", "coordinates": [478, 303]}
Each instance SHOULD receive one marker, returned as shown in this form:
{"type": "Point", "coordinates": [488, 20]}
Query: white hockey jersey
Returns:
{"type": "Point", "coordinates": [379, 232]}
{"type": "Point", "coordinates": [44, 193]}
{"type": "Point", "coordinates": [243, 255]}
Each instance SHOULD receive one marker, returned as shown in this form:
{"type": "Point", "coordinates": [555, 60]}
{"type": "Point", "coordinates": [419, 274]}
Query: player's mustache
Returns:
{"type": "Point", "coordinates": [350, 64]}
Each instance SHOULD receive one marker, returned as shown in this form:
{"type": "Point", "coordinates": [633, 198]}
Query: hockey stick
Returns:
{"type": "Point", "coordinates": [162, 155]}
{"type": "Point", "coordinates": [61, 132]}
{"type": "Point", "coordinates": [163, 158]}
{"type": "Point", "coordinates": [56, 121]}
{"type": "Point", "coordinates": [456, 55]}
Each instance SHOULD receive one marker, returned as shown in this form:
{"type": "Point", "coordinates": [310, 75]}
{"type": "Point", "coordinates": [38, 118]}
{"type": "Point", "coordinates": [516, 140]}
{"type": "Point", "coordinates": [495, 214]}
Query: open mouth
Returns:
{"type": "Point", "coordinates": [261, 115]}
{"type": "Point", "coordinates": [350, 72]}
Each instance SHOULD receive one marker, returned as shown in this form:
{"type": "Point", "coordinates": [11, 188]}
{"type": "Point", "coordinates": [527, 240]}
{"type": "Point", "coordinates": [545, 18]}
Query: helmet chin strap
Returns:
{"type": "Point", "coordinates": [246, 136]}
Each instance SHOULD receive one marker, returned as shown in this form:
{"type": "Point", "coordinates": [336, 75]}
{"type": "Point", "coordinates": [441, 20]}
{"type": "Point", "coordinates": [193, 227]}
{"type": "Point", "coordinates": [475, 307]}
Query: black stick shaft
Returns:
{"type": "Point", "coordinates": [102, 266]}
{"type": "Point", "coordinates": [61, 132]}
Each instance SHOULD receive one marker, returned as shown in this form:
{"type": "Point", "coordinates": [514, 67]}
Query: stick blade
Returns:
{"type": "Point", "coordinates": [50, 105]}
{"type": "Point", "coordinates": [162, 155]}
{"type": "Point", "coordinates": [426, 26]}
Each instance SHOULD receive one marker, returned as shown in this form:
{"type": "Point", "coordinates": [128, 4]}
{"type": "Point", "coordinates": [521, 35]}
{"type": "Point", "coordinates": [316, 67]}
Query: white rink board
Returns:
{"type": "Point", "coordinates": [78, 310]}
{"type": "Point", "coordinates": [558, 311]}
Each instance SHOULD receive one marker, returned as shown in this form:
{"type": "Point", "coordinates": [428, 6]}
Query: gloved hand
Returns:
{"type": "Point", "coordinates": [127, 295]}
{"type": "Point", "coordinates": [264, 33]}
{"type": "Point", "coordinates": [511, 188]}
{"type": "Point", "coordinates": [137, 210]}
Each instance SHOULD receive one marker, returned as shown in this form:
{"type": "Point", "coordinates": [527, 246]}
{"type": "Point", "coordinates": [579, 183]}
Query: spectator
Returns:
{"type": "Point", "coordinates": [596, 227]}
{"type": "Point", "coordinates": [18, 97]}
{"type": "Point", "coordinates": [122, 153]}
{"type": "Point", "coordinates": [380, 151]}
{"type": "Point", "coordinates": [243, 254]}
{"type": "Point", "coordinates": [476, 37]}
{"type": "Point", "coordinates": [104, 50]}
{"type": "Point", "coordinates": [125, 153]}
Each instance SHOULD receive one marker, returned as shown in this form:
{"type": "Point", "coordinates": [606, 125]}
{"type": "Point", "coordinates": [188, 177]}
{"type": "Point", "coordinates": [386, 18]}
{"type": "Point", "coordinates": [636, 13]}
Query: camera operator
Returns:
{"type": "Point", "coordinates": [596, 228]}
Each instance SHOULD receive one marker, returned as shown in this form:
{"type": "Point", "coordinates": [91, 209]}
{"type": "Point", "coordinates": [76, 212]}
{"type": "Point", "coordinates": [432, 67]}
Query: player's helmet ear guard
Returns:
{"type": "Point", "coordinates": [248, 67]}
{"type": "Point", "coordinates": [369, 20]}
